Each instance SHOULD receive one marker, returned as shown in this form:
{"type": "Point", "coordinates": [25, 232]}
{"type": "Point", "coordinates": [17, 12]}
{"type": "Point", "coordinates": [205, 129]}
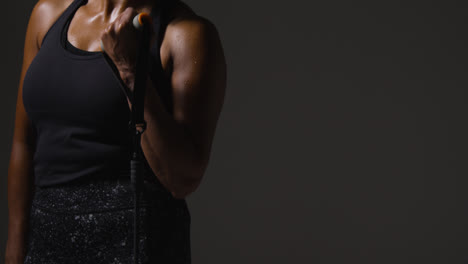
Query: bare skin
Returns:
{"type": "Point", "coordinates": [177, 147]}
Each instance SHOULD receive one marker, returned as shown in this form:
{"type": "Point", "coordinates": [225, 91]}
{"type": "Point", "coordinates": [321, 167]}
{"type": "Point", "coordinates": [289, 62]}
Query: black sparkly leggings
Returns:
{"type": "Point", "coordinates": [91, 221]}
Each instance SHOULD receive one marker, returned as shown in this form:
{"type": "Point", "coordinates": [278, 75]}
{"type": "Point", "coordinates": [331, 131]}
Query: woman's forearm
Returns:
{"type": "Point", "coordinates": [19, 198]}
{"type": "Point", "coordinates": [164, 137]}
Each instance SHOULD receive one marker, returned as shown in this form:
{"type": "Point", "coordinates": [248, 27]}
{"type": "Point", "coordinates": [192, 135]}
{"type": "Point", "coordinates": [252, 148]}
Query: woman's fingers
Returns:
{"type": "Point", "coordinates": [120, 40]}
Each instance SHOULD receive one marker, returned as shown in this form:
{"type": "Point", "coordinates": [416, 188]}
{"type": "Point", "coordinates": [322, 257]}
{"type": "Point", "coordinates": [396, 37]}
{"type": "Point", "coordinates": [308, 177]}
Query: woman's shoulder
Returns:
{"type": "Point", "coordinates": [182, 15]}
{"type": "Point", "coordinates": [44, 15]}
{"type": "Point", "coordinates": [185, 24]}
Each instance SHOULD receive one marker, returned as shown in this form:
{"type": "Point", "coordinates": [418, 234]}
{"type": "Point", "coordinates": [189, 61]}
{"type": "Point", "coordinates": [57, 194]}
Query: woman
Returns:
{"type": "Point", "coordinates": [69, 195]}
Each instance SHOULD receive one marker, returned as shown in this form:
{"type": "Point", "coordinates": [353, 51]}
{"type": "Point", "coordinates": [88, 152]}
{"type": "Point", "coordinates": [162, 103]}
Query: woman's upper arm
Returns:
{"type": "Point", "coordinates": [198, 79]}
{"type": "Point", "coordinates": [23, 129]}
{"type": "Point", "coordinates": [42, 16]}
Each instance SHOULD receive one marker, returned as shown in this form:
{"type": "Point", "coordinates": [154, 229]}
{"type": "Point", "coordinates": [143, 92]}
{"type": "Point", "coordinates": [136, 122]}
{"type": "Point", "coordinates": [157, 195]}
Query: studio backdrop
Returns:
{"type": "Point", "coordinates": [343, 136]}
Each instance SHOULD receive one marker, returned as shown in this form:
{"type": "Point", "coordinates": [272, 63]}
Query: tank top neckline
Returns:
{"type": "Point", "coordinates": [63, 37]}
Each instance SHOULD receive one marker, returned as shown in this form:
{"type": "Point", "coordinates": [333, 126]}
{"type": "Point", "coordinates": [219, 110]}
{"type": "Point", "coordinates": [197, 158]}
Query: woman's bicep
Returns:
{"type": "Point", "coordinates": [23, 132]}
{"type": "Point", "coordinates": [41, 19]}
{"type": "Point", "coordinates": [198, 79]}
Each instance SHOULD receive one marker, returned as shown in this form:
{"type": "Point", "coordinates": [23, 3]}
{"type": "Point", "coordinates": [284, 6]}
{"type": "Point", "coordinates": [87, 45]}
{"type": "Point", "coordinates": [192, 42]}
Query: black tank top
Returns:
{"type": "Point", "coordinates": [77, 104]}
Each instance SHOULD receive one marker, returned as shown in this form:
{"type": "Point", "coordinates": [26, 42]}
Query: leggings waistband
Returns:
{"type": "Point", "coordinates": [85, 196]}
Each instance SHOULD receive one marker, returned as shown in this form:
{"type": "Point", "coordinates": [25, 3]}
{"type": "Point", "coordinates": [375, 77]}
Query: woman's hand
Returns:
{"type": "Point", "coordinates": [120, 42]}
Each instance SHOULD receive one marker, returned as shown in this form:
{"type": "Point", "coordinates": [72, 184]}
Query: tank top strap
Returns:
{"type": "Point", "coordinates": [54, 32]}
{"type": "Point", "coordinates": [156, 19]}
{"type": "Point", "coordinates": [160, 17]}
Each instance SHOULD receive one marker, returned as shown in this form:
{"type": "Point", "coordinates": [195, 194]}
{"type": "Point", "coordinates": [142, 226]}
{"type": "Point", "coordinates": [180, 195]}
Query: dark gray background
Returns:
{"type": "Point", "coordinates": [342, 138]}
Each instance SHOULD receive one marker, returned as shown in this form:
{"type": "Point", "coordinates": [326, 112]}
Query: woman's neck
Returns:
{"type": "Point", "coordinates": [113, 8]}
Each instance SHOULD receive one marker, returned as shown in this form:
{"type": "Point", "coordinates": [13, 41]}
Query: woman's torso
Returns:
{"type": "Point", "coordinates": [78, 106]}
